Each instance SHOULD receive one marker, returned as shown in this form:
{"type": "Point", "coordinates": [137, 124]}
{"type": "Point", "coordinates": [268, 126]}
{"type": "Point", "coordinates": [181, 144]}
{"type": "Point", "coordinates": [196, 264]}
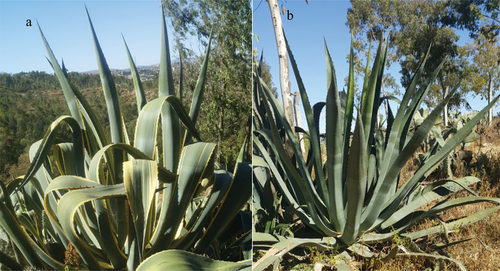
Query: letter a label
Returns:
{"type": "Point", "coordinates": [28, 22]}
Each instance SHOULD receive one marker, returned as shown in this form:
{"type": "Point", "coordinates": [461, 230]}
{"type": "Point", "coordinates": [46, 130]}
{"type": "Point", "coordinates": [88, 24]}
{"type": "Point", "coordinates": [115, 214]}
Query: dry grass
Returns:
{"type": "Point", "coordinates": [480, 253]}
{"type": "Point", "coordinates": [483, 250]}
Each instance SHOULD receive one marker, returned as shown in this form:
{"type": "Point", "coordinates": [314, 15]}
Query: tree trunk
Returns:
{"type": "Point", "coordinates": [298, 122]}
{"type": "Point", "coordinates": [490, 97]}
{"type": "Point", "coordinates": [221, 119]}
{"type": "Point", "coordinates": [445, 110]}
{"type": "Point", "coordinates": [283, 59]}
{"type": "Point", "coordinates": [248, 151]}
{"type": "Point", "coordinates": [385, 104]}
{"type": "Point", "coordinates": [386, 107]}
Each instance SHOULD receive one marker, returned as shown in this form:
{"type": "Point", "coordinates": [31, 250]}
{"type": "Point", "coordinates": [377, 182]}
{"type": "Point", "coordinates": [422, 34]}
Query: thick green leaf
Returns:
{"type": "Point", "coordinates": [49, 140]}
{"type": "Point", "coordinates": [397, 123]}
{"type": "Point", "coordinates": [95, 165]}
{"type": "Point", "coordinates": [371, 94]}
{"type": "Point", "coordinates": [304, 216]}
{"type": "Point", "coordinates": [440, 155]}
{"type": "Point", "coordinates": [278, 250]}
{"type": "Point", "coordinates": [46, 257]}
{"type": "Point", "coordinates": [94, 169]}
{"type": "Point", "coordinates": [197, 163]}
{"type": "Point", "coordinates": [361, 250]}
{"type": "Point", "coordinates": [335, 140]}
{"type": "Point", "coordinates": [110, 93]}
{"type": "Point", "coordinates": [222, 183]}
{"type": "Point", "coordinates": [8, 262]}
{"type": "Point", "coordinates": [140, 178]}
{"type": "Point", "coordinates": [392, 160]}
{"type": "Point", "coordinates": [133, 256]}
{"type": "Point", "coordinates": [200, 85]}
{"type": "Point", "coordinates": [66, 88]}
{"type": "Point", "coordinates": [166, 80]}
{"type": "Point", "coordinates": [349, 106]}
{"type": "Point", "coordinates": [303, 180]}
{"type": "Point", "coordinates": [180, 78]}
{"type": "Point", "coordinates": [12, 227]}
{"type": "Point", "coordinates": [116, 207]}
{"type": "Point", "coordinates": [233, 201]}
{"type": "Point", "coordinates": [357, 167]}
{"type": "Point", "coordinates": [64, 158]}
{"type": "Point", "coordinates": [94, 131]}
{"type": "Point", "coordinates": [27, 222]}
{"type": "Point", "coordinates": [43, 178]}
{"type": "Point", "coordinates": [425, 198]}
{"type": "Point", "coordinates": [452, 225]}
{"type": "Point", "coordinates": [182, 260]}
{"type": "Point", "coordinates": [139, 92]}
{"type": "Point", "coordinates": [169, 119]}
{"type": "Point", "coordinates": [314, 141]}
{"type": "Point", "coordinates": [147, 123]}
{"type": "Point", "coordinates": [67, 208]}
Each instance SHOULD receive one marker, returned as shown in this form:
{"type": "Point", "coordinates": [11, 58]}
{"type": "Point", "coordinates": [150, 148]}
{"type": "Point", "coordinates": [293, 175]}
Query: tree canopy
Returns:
{"type": "Point", "coordinates": [414, 28]}
{"type": "Point", "coordinates": [485, 73]}
{"type": "Point", "coordinates": [471, 15]}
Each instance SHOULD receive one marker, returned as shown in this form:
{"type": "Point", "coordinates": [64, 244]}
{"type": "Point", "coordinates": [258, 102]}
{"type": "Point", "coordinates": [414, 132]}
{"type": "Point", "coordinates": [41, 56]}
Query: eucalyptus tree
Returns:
{"type": "Point", "coordinates": [415, 27]}
{"type": "Point", "coordinates": [421, 34]}
{"type": "Point", "coordinates": [368, 22]}
{"type": "Point", "coordinates": [486, 74]}
{"type": "Point", "coordinates": [471, 15]}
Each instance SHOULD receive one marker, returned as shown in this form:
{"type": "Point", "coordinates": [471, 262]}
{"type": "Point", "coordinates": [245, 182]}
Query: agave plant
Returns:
{"type": "Point", "coordinates": [439, 134]}
{"type": "Point", "coordinates": [356, 197]}
{"type": "Point", "coordinates": [120, 206]}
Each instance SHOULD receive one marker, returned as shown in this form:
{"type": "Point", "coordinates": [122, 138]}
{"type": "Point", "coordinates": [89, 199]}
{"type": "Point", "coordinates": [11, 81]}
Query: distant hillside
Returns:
{"type": "Point", "coordinates": [145, 72]}
{"type": "Point", "coordinates": [31, 101]}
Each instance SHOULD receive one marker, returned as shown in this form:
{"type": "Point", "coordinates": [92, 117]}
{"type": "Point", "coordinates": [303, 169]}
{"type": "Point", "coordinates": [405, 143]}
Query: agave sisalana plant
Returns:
{"type": "Point", "coordinates": [355, 198]}
{"type": "Point", "coordinates": [120, 206]}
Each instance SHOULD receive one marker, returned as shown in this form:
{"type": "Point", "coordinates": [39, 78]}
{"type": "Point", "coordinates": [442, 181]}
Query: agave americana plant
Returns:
{"type": "Point", "coordinates": [120, 206]}
{"type": "Point", "coordinates": [439, 134]}
{"type": "Point", "coordinates": [356, 198]}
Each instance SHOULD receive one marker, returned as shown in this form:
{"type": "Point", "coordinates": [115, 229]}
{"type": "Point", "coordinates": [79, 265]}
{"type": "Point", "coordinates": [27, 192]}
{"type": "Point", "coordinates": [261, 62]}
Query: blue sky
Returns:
{"type": "Point", "coordinates": [312, 24]}
{"type": "Point", "coordinates": [65, 25]}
